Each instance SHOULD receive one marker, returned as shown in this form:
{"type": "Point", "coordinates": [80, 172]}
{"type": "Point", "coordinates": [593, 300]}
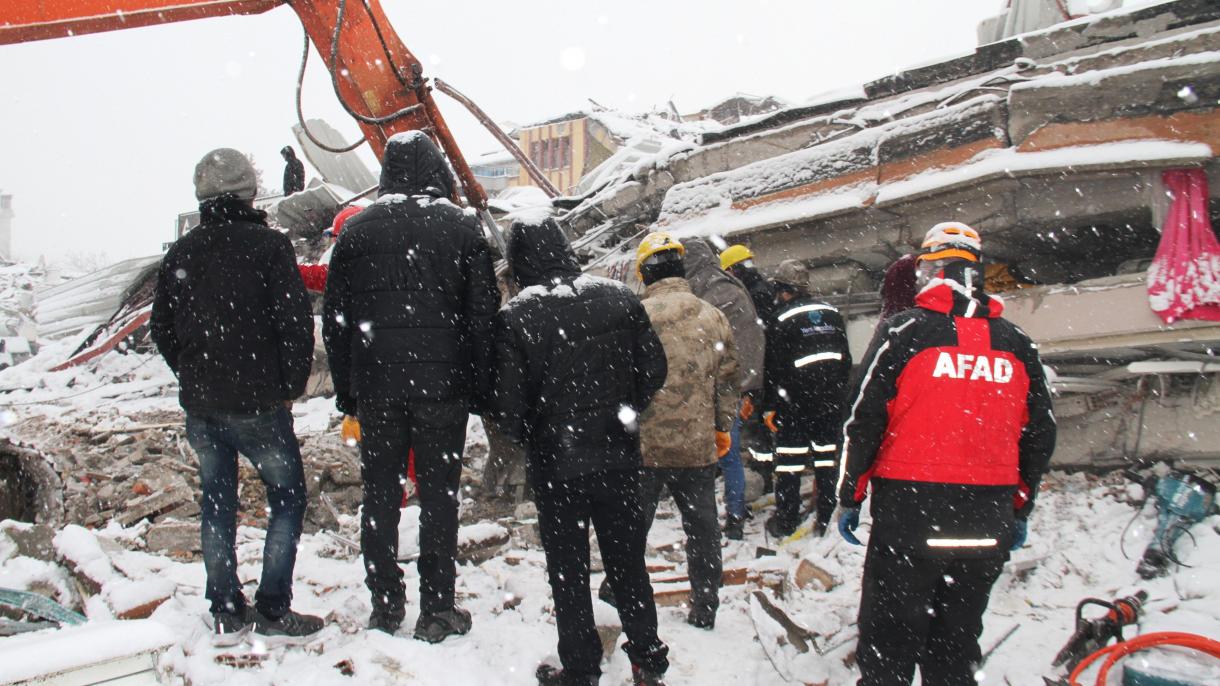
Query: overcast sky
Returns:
{"type": "Point", "coordinates": [99, 134]}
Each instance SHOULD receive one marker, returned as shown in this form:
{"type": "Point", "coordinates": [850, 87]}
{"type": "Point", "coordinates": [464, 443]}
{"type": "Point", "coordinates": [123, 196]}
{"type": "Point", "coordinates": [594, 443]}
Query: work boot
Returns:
{"type": "Point", "coordinates": [734, 528]}
{"type": "Point", "coordinates": [643, 677]}
{"type": "Point", "coordinates": [438, 626]}
{"type": "Point", "coordinates": [385, 620]}
{"type": "Point", "coordinates": [291, 628]}
{"type": "Point", "coordinates": [231, 627]}
{"type": "Point", "coordinates": [778, 528]}
{"type": "Point", "coordinates": [606, 594]}
{"type": "Point", "coordinates": [702, 618]}
{"type": "Point", "coordinates": [819, 529]}
{"type": "Point", "coordinates": [550, 675]}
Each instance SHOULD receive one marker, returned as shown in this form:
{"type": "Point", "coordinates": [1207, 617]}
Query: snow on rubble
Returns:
{"type": "Point", "coordinates": [1074, 552]}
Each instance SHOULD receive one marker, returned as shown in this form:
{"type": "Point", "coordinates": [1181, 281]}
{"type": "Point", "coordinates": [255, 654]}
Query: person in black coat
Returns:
{"type": "Point", "coordinates": [577, 362]}
{"type": "Point", "coordinates": [232, 320]}
{"type": "Point", "coordinates": [407, 323]}
{"type": "Point", "coordinates": [294, 171]}
{"type": "Point", "coordinates": [807, 370]}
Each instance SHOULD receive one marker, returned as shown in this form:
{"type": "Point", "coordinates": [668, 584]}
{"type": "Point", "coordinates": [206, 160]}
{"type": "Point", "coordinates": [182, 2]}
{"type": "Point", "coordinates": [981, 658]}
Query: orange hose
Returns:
{"type": "Point", "coordinates": [1120, 650]}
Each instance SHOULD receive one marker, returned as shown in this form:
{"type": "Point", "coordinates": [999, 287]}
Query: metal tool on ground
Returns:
{"type": "Point", "coordinates": [1183, 499]}
{"type": "Point", "coordinates": [1094, 634]}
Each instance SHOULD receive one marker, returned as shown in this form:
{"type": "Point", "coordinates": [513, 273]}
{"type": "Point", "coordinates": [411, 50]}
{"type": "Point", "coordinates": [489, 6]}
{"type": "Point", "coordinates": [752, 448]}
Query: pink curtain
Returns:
{"type": "Point", "coordinates": [1184, 279]}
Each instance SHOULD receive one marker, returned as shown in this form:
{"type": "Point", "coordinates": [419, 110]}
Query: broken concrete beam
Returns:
{"type": "Point", "coordinates": [675, 590]}
{"type": "Point", "coordinates": [176, 538]}
{"type": "Point", "coordinates": [1042, 111]}
{"type": "Point", "coordinates": [185, 511]}
{"type": "Point", "coordinates": [151, 506]}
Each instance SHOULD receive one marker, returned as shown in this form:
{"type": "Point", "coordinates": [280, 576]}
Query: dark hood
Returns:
{"type": "Point", "coordinates": [539, 253]}
{"type": "Point", "coordinates": [703, 266]}
{"type": "Point", "coordinates": [958, 291]}
{"type": "Point", "coordinates": [413, 165]}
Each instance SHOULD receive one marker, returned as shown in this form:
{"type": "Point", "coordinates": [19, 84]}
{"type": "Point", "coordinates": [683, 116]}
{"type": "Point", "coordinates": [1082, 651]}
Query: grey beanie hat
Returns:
{"type": "Point", "coordinates": [225, 170]}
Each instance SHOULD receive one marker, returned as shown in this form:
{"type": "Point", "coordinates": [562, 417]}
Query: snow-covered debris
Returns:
{"type": "Point", "coordinates": [1075, 550]}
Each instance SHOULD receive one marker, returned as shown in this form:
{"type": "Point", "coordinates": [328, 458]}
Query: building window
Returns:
{"type": "Point", "coordinates": [536, 152]}
{"type": "Point", "coordinates": [566, 162]}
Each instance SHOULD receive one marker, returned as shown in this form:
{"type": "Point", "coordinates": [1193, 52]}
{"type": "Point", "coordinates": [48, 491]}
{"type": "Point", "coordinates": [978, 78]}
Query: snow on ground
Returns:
{"type": "Point", "coordinates": [1075, 538]}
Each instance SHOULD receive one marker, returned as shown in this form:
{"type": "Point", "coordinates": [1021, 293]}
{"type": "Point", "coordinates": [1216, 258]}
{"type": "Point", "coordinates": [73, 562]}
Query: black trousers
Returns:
{"type": "Point", "coordinates": [788, 494]}
{"type": "Point", "coordinates": [694, 491]}
{"type": "Point", "coordinates": [610, 500]}
{"type": "Point", "coordinates": [808, 436]}
{"type": "Point", "coordinates": [922, 611]}
{"type": "Point", "coordinates": [437, 432]}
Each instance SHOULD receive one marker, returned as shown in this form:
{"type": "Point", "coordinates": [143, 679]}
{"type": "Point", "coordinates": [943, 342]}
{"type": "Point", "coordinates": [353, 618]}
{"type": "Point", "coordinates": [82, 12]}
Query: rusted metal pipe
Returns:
{"type": "Point", "coordinates": [532, 169]}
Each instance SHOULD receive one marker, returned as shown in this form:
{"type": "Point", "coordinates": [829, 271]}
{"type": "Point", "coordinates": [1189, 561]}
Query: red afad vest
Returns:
{"type": "Point", "coordinates": [958, 413]}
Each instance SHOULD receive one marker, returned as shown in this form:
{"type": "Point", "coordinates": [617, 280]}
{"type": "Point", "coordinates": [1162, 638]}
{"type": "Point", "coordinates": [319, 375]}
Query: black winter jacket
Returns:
{"type": "Point", "coordinates": [411, 292]}
{"type": "Point", "coordinates": [230, 314]}
{"type": "Point", "coordinates": [577, 361]}
{"type": "Point", "coordinates": [808, 361]}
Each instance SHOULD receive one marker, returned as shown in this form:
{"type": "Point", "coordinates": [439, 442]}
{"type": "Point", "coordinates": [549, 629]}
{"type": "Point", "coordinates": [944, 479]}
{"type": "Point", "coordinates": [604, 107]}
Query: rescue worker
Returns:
{"type": "Point", "coordinates": [231, 318]}
{"type": "Point", "coordinates": [686, 429]}
{"type": "Point", "coordinates": [577, 361]}
{"type": "Point", "coordinates": [294, 171]}
{"type": "Point", "coordinates": [951, 429]}
{"type": "Point", "coordinates": [808, 365]}
{"type": "Point", "coordinates": [407, 323]}
{"type": "Point", "coordinates": [898, 287]}
{"type": "Point", "coordinates": [738, 261]}
{"type": "Point", "coordinates": [727, 294]}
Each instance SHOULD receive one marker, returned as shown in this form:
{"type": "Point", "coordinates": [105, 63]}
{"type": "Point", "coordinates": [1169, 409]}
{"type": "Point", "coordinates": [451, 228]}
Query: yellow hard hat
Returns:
{"type": "Point", "coordinates": [734, 254]}
{"type": "Point", "coordinates": [655, 242]}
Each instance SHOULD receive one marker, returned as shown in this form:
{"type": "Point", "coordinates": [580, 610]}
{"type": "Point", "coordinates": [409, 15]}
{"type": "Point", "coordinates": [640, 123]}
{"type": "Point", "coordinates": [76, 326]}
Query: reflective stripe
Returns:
{"type": "Point", "coordinates": [823, 463]}
{"type": "Point", "coordinates": [817, 357]}
{"type": "Point", "coordinates": [824, 448]}
{"type": "Point", "coordinates": [789, 468]}
{"type": "Point", "coordinates": [804, 308]}
{"type": "Point", "coordinates": [961, 542]}
{"type": "Point", "coordinates": [803, 450]}
{"type": "Point", "coordinates": [868, 376]}
{"type": "Point", "coordinates": [761, 457]}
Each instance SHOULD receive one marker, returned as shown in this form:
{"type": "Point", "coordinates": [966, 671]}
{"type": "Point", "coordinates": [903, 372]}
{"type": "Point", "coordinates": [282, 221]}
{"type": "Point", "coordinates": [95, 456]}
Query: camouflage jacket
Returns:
{"type": "Point", "coordinates": [702, 389]}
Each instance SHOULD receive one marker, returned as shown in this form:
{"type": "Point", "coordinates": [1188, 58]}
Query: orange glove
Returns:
{"type": "Point", "coordinates": [723, 442]}
{"type": "Point", "coordinates": [747, 407]}
{"type": "Point", "coordinates": [769, 420]}
{"type": "Point", "coordinates": [349, 430]}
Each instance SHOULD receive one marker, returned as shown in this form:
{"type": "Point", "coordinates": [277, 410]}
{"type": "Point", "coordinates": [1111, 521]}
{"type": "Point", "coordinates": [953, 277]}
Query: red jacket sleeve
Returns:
{"type": "Point", "coordinates": [314, 276]}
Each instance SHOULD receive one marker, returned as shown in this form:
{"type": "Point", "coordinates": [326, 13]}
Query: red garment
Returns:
{"type": "Point", "coordinates": [410, 475]}
{"type": "Point", "coordinates": [1184, 279]}
{"type": "Point", "coordinates": [314, 276]}
{"type": "Point", "coordinates": [970, 433]}
{"type": "Point", "coordinates": [898, 288]}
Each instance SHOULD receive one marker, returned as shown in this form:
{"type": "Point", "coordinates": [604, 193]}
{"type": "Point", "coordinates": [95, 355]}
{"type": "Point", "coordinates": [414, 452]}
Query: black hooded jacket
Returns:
{"type": "Point", "coordinates": [411, 292]}
{"type": "Point", "coordinates": [230, 315]}
{"type": "Point", "coordinates": [577, 361]}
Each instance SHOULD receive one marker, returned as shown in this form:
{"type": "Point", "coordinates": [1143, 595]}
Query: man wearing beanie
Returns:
{"type": "Point", "coordinates": [232, 320]}
{"type": "Point", "coordinates": [577, 421]}
{"type": "Point", "coordinates": [686, 429]}
{"type": "Point", "coordinates": [407, 322]}
{"type": "Point", "coordinates": [951, 430]}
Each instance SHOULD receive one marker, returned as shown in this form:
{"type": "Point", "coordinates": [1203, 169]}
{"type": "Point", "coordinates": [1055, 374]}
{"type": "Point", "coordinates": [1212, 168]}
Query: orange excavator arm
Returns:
{"type": "Point", "coordinates": [377, 79]}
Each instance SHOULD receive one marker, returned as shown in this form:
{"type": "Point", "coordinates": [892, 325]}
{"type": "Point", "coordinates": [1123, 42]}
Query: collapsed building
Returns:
{"type": "Point", "coordinates": [1052, 143]}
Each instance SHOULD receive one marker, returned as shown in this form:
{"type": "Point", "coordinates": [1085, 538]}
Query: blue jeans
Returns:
{"type": "Point", "coordinates": [734, 474]}
{"type": "Point", "coordinates": [268, 441]}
